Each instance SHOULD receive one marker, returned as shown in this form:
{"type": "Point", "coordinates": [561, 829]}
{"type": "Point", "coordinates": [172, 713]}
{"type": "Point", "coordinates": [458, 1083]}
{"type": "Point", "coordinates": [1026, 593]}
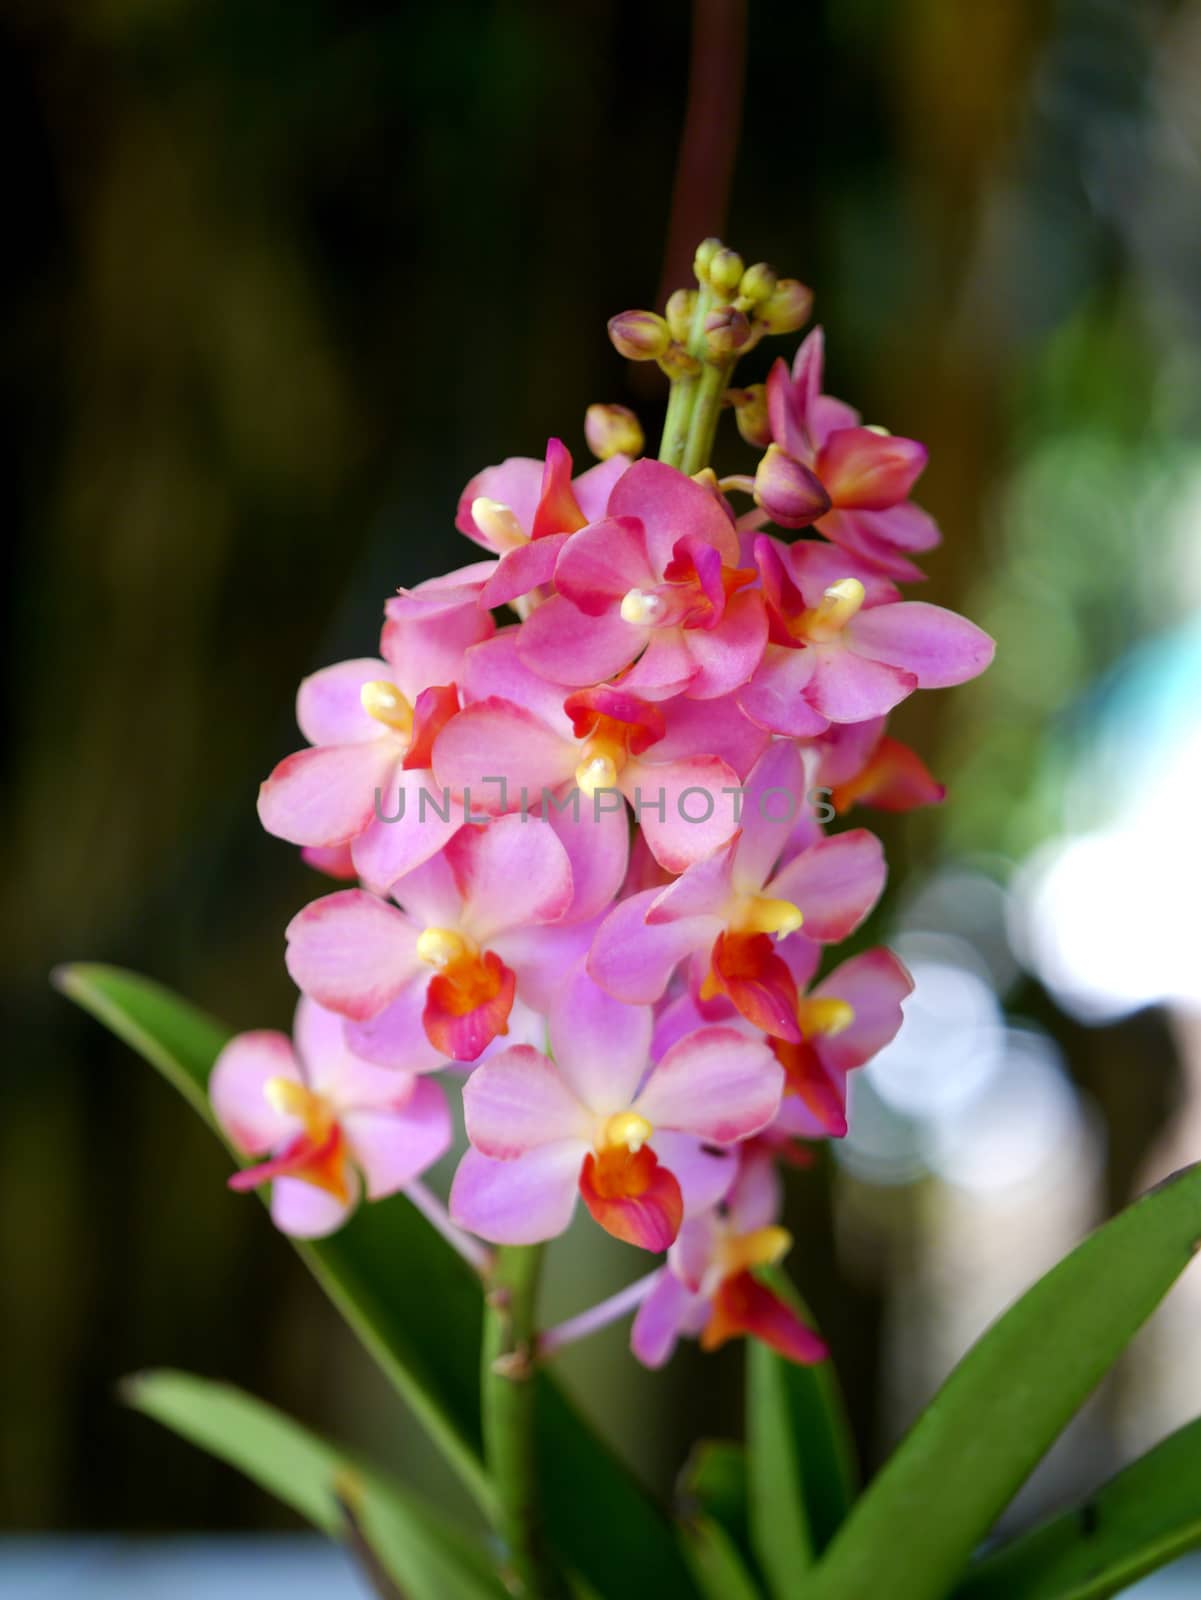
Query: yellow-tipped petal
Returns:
{"type": "Point", "coordinates": [293, 1099]}
{"type": "Point", "coordinates": [384, 701]}
{"type": "Point", "coordinates": [442, 947]}
{"type": "Point", "coordinates": [626, 1128]}
{"type": "Point", "coordinates": [497, 522]}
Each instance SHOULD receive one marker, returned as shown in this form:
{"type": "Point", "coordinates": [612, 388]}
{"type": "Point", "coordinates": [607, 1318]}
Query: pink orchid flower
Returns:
{"type": "Point", "coordinates": [525, 510]}
{"type": "Point", "coordinates": [843, 1021]}
{"type": "Point", "coordinates": [865, 472]}
{"type": "Point", "coordinates": [523, 740]}
{"type": "Point", "coordinates": [595, 1123]}
{"type": "Point", "coordinates": [466, 933]}
{"type": "Point", "coordinates": [860, 764]}
{"type": "Point", "coordinates": [844, 648]}
{"type": "Point", "coordinates": [655, 584]}
{"type": "Point", "coordinates": [365, 782]}
{"type": "Point", "coordinates": [331, 1125]}
{"type": "Point", "coordinates": [725, 910]}
{"type": "Point", "coordinates": [708, 1289]}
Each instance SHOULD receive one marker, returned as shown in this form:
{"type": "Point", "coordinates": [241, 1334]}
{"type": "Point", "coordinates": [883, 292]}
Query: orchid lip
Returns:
{"type": "Point", "coordinates": [761, 914]}
{"type": "Point", "coordinates": [824, 1016]}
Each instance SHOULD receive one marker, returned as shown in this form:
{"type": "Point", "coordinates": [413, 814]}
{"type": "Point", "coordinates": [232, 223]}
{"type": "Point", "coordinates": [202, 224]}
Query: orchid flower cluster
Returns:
{"type": "Point", "coordinates": [584, 793]}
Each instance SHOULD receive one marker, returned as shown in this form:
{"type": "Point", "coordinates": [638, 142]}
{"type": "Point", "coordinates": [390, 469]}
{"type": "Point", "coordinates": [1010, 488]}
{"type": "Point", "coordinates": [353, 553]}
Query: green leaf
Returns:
{"type": "Point", "coordinates": [1146, 1516]}
{"type": "Point", "coordinates": [418, 1309]}
{"type": "Point", "coordinates": [911, 1534]}
{"type": "Point", "coordinates": [417, 1548]}
{"type": "Point", "coordinates": [800, 1457]}
{"type": "Point", "coordinates": [713, 1484]}
{"type": "Point", "coordinates": [427, 1342]}
{"type": "Point", "coordinates": [715, 1562]}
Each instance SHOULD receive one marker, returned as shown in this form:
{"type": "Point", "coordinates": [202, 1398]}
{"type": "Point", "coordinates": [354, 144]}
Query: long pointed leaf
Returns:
{"type": "Point", "coordinates": [425, 1555]}
{"type": "Point", "coordinates": [1146, 1516]}
{"type": "Point", "coordinates": [715, 1562]}
{"type": "Point", "coordinates": [426, 1339]}
{"type": "Point", "coordinates": [911, 1534]}
{"type": "Point", "coordinates": [801, 1459]}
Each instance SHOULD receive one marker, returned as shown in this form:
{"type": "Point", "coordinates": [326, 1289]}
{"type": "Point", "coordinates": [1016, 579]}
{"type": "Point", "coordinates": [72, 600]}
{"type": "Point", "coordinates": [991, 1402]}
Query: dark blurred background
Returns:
{"type": "Point", "coordinates": [281, 275]}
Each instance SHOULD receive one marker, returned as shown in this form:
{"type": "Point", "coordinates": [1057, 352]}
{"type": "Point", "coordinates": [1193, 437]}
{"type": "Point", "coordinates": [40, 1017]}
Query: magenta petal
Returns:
{"type": "Point", "coordinates": [523, 569]}
{"type": "Point", "coordinates": [698, 801]}
{"type": "Point", "coordinates": [660, 1319]}
{"type": "Point", "coordinates": [703, 1171]}
{"type": "Point", "coordinates": [396, 1037]}
{"type": "Point", "coordinates": [493, 739]}
{"type": "Point", "coordinates": [602, 562]}
{"type": "Point", "coordinates": [835, 883]}
{"type": "Point", "coordinates": [562, 644]}
{"type": "Point", "coordinates": [666, 667]}
{"type": "Point", "coordinates": [510, 872]}
{"type": "Point", "coordinates": [726, 656]}
{"type": "Point", "coordinates": [524, 1201]}
{"type": "Point", "coordinates": [711, 727]}
{"type": "Point", "coordinates": [518, 1101]}
{"type": "Point", "coordinates": [756, 1199]}
{"type": "Point", "coordinates": [873, 984]}
{"type": "Point", "coordinates": [869, 471]}
{"type": "Point", "coordinates": [593, 487]}
{"type": "Point", "coordinates": [716, 1084]}
{"type": "Point", "coordinates": [402, 838]}
{"type": "Point", "coordinates": [495, 670]}
{"type": "Point", "coordinates": [393, 1148]}
{"type": "Point", "coordinates": [236, 1087]}
{"type": "Point", "coordinates": [327, 795]}
{"type": "Point", "coordinates": [633, 961]}
{"type": "Point", "coordinates": [516, 483]}
{"type": "Point", "coordinates": [669, 504]}
{"type": "Point", "coordinates": [939, 647]}
{"type": "Point", "coordinates": [595, 833]}
{"type": "Point", "coordinates": [329, 708]}
{"type": "Point", "coordinates": [423, 640]}
{"type": "Point", "coordinates": [773, 797]}
{"type": "Point", "coordinates": [601, 1045]}
{"type": "Point", "coordinates": [847, 687]}
{"type": "Point", "coordinates": [775, 696]}
{"type": "Point", "coordinates": [351, 952]}
{"type": "Point", "coordinates": [304, 1211]}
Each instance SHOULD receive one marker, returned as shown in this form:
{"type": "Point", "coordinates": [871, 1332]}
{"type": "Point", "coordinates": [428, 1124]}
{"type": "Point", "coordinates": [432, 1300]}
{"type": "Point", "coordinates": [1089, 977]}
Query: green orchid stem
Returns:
{"type": "Point", "coordinates": [702, 422]}
{"type": "Point", "coordinates": [695, 402]}
{"type": "Point", "coordinates": [508, 1420]}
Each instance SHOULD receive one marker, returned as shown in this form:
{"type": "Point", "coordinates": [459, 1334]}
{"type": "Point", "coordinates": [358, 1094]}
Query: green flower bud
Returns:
{"type": "Point", "coordinates": [787, 309]}
{"type": "Point", "coordinates": [725, 273]}
{"type": "Point", "coordinates": [758, 283]}
{"type": "Point", "coordinates": [613, 430]}
{"type": "Point", "coordinates": [726, 331]}
{"type": "Point", "coordinates": [679, 308]}
{"type": "Point", "coordinates": [639, 335]}
{"type": "Point", "coordinates": [750, 413]}
{"type": "Point", "coordinates": [705, 251]}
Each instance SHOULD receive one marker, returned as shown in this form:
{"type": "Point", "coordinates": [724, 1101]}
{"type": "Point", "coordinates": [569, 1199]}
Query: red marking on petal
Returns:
{"type": "Point", "coordinates": [558, 509]}
{"type": "Point", "coordinates": [633, 1197]}
{"type": "Point", "coordinates": [609, 713]}
{"type": "Point", "coordinates": [895, 778]}
{"type": "Point", "coordinates": [468, 1005]}
{"type": "Point", "coordinates": [808, 1080]}
{"type": "Point", "coordinates": [432, 710]}
{"type": "Point", "coordinates": [696, 569]}
{"type": "Point", "coordinates": [743, 1305]}
{"type": "Point", "coordinates": [746, 968]}
{"type": "Point", "coordinates": [323, 1165]}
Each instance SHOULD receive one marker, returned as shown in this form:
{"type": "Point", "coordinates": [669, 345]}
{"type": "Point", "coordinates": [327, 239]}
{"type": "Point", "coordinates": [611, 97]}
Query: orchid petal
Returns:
{"type": "Point", "coordinates": [352, 952]}
{"type": "Point", "coordinates": [524, 1201]}
{"type": "Point", "coordinates": [836, 882]}
{"type": "Point", "coordinates": [236, 1089]}
{"type": "Point", "coordinates": [716, 1084]}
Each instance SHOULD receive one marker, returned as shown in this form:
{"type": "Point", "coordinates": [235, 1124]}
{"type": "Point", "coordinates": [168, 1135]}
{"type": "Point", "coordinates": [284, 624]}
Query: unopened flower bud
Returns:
{"type": "Point", "coordinates": [791, 495]}
{"type": "Point", "coordinates": [725, 272]}
{"type": "Point", "coordinates": [613, 430]}
{"type": "Point", "coordinates": [639, 335]}
{"type": "Point", "coordinates": [705, 251]}
{"type": "Point", "coordinates": [680, 307]}
{"type": "Point", "coordinates": [726, 331]}
{"type": "Point", "coordinates": [750, 413]}
{"type": "Point", "coordinates": [677, 362]}
{"type": "Point", "coordinates": [787, 308]}
{"type": "Point", "coordinates": [759, 283]}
